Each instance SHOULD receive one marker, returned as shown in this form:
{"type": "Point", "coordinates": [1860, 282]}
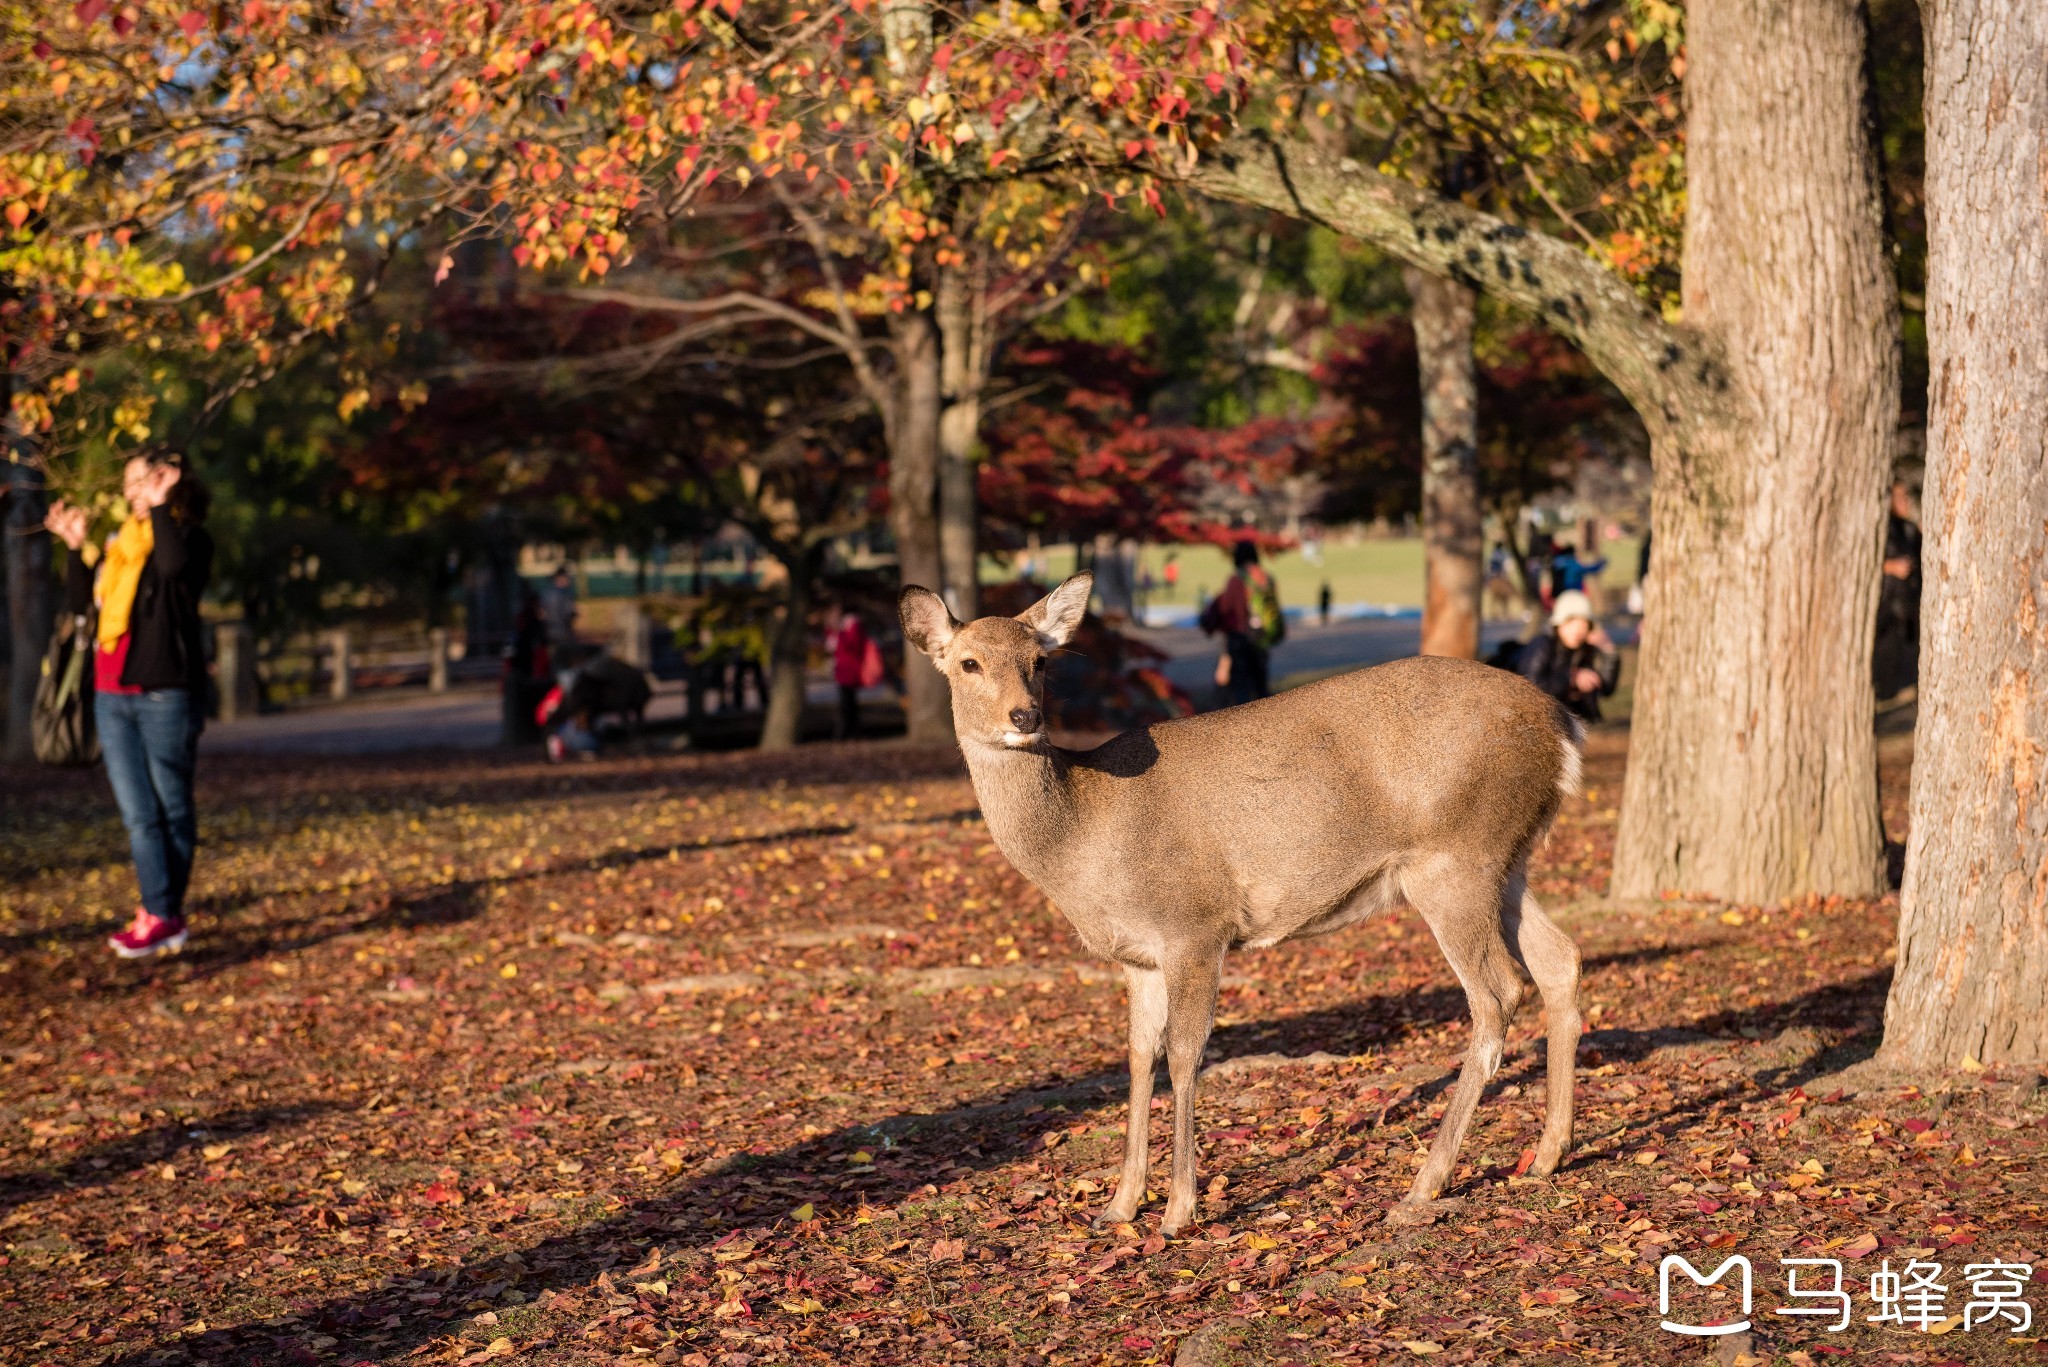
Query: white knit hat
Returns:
{"type": "Point", "coordinates": [1571, 603]}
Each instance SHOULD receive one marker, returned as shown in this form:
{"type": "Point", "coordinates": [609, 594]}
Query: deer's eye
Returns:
{"type": "Point", "coordinates": [970, 666]}
{"type": "Point", "coordinates": [1038, 666]}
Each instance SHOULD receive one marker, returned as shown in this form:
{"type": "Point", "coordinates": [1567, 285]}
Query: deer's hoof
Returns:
{"type": "Point", "coordinates": [1175, 1221]}
{"type": "Point", "coordinates": [1115, 1215]}
{"type": "Point", "coordinates": [1416, 1213]}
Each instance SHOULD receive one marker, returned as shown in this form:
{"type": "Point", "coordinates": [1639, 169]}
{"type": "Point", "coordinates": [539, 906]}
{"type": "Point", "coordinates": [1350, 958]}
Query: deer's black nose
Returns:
{"type": "Point", "coordinates": [1025, 719]}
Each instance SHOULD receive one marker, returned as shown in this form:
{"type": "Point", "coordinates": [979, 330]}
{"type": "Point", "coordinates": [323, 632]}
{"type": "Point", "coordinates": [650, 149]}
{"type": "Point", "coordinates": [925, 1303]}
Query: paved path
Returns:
{"type": "Point", "coordinates": [1307, 649]}
{"type": "Point", "coordinates": [468, 717]}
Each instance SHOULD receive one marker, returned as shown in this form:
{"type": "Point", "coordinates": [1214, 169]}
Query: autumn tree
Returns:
{"type": "Point", "coordinates": [1973, 924]}
{"type": "Point", "coordinates": [1770, 408]}
{"type": "Point", "coordinates": [1080, 456]}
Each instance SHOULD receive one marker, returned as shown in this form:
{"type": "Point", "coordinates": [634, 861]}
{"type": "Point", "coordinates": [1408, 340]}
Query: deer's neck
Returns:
{"type": "Point", "coordinates": [1027, 797]}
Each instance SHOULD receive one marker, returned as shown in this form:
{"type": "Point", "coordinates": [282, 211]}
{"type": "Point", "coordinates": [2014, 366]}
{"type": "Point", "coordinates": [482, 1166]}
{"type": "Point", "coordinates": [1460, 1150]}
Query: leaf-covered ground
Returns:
{"type": "Point", "coordinates": [741, 1059]}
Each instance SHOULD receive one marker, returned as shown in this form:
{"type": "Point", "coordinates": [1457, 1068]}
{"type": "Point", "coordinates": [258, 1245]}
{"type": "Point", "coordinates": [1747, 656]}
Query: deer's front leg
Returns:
{"type": "Point", "coordinates": [1191, 983]}
{"type": "Point", "coordinates": [1148, 1030]}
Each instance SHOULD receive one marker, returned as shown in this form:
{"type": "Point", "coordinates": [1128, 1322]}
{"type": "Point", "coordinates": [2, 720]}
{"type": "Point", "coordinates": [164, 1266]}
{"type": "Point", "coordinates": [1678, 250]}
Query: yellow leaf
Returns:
{"type": "Point", "coordinates": [1422, 1348]}
{"type": "Point", "coordinates": [803, 1212]}
{"type": "Point", "coordinates": [1261, 1241]}
{"type": "Point", "coordinates": [1731, 918]}
{"type": "Point", "coordinates": [215, 1152]}
{"type": "Point", "coordinates": [863, 1156]}
{"type": "Point", "coordinates": [509, 971]}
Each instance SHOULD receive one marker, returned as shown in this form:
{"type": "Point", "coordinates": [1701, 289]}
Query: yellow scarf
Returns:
{"type": "Point", "coordinates": [120, 573]}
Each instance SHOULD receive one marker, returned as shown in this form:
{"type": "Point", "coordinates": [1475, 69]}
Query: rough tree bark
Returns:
{"type": "Point", "coordinates": [913, 494]}
{"type": "Point", "coordinates": [1453, 519]}
{"type": "Point", "coordinates": [1771, 413]}
{"type": "Point", "coordinates": [963, 373]}
{"type": "Point", "coordinates": [1972, 977]}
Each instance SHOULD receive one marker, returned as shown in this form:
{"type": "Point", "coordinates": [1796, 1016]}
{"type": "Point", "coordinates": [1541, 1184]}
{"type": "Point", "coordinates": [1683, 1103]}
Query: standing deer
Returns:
{"type": "Point", "coordinates": [1426, 781]}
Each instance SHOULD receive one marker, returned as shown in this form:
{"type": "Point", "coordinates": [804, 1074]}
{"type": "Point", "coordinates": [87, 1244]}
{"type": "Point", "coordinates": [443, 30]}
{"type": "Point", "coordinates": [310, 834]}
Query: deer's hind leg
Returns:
{"type": "Point", "coordinates": [1462, 907]}
{"type": "Point", "coordinates": [1552, 961]}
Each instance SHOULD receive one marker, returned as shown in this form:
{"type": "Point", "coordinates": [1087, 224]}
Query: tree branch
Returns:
{"type": "Point", "coordinates": [1671, 375]}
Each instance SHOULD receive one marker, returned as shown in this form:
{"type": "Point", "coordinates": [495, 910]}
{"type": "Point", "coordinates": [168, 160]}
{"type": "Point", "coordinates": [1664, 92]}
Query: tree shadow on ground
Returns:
{"type": "Point", "coordinates": [117, 1158]}
{"type": "Point", "coordinates": [750, 1189]}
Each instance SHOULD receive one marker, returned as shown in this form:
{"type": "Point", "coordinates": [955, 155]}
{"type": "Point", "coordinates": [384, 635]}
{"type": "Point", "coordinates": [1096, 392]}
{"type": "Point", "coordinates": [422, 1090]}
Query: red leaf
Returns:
{"type": "Point", "coordinates": [1528, 1160]}
{"type": "Point", "coordinates": [89, 10]}
{"type": "Point", "coordinates": [191, 21]}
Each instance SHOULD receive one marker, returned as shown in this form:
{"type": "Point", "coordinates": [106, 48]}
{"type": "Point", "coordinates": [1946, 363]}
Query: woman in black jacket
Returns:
{"type": "Point", "coordinates": [1574, 661]}
{"type": "Point", "coordinates": [149, 676]}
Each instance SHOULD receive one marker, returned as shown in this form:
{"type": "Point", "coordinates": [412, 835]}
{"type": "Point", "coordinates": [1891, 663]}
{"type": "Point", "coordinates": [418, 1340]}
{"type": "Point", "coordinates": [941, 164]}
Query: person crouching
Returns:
{"type": "Point", "coordinates": [1574, 661]}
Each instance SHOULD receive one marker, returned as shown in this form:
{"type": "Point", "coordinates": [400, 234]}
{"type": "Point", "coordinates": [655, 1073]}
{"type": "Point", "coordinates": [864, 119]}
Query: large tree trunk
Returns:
{"type": "Point", "coordinates": [913, 494]}
{"type": "Point", "coordinates": [963, 375]}
{"type": "Point", "coordinates": [31, 597]}
{"type": "Point", "coordinates": [789, 653]}
{"type": "Point", "coordinates": [1453, 520]}
{"type": "Point", "coordinates": [1752, 770]}
{"type": "Point", "coordinates": [1972, 977]}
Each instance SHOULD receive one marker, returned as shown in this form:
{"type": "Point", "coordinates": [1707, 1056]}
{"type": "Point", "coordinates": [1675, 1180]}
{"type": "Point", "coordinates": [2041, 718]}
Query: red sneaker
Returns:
{"type": "Point", "coordinates": [148, 935]}
{"type": "Point", "coordinates": [557, 752]}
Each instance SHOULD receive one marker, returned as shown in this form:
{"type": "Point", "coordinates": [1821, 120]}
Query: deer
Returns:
{"type": "Point", "coordinates": [1424, 782]}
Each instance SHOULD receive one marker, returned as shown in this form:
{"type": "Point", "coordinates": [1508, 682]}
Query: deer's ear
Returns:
{"type": "Point", "coordinates": [927, 623]}
{"type": "Point", "coordinates": [1057, 616]}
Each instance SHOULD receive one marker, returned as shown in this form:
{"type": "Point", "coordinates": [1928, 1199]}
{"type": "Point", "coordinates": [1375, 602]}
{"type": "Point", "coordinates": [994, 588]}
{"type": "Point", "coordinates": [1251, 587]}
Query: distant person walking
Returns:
{"type": "Point", "coordinates": [149, 677]}
{"type": "Point", "coordinates": [1323, 602]}
{"type": "Point", "coordinates": [1568, 573]}
{"type": "Point", "coordinates": [558, 601]}
{"type": "Point", "coordinates": [1248, 614]}
{"type": "Point", "coordinates": [1895, 662]}
{"type": "Point", "coordinates": [1574, 661]}
{"type": "Point", "coordinates": [856, 664]}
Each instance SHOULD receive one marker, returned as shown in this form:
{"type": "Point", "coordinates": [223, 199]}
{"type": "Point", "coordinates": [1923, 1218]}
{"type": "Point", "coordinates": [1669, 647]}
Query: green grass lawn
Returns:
{"type": "Point", "coordinates": [1384, 571]}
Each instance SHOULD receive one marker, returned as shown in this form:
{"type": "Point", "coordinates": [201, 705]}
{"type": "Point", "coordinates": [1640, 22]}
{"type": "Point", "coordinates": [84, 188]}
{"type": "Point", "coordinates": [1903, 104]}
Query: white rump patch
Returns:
{"type": "Point", "coordinates": [1572, 771]}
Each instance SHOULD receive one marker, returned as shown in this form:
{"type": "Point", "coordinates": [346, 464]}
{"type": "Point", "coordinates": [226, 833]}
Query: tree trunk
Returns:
{"type": "Point", "coordinates": [1753, 770]}
{"type": "Point", "coordinates": [1453, 520]}
{"type": "Point", "coordinates": [913, 495]}
{"type": "Point", "coordinates": [789, 654]}
{"type": "Point", "coordinates": [963, 374]}
{"type": "Point", "coordinates": [1972, 977]}
{"type": "Point", "coordinates": [31, 597]}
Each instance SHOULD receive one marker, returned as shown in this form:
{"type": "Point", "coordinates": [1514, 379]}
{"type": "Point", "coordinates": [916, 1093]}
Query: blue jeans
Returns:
{"type": "Point", "coordinates": [150, 741]}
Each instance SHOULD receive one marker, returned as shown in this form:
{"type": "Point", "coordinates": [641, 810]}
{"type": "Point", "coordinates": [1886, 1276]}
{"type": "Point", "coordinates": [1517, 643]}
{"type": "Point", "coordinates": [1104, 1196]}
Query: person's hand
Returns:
{"type": "Point", "coordinates": [67, 523]}
{"type": "Point", "coordinates": [1585, 681]}
{"type": "Point", "coordinates": [154, 487]}
{"type": "Point", "coordinates": [1599, 639]}
{"type": "Point", "coordinates": [1899, 567]}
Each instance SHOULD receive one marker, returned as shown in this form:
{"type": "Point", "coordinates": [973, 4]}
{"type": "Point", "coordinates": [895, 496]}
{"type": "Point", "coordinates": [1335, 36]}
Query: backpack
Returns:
{"type": "Point", "coordinates": [1268, 624]}
{"type": "Point", "coordinates": [61, 726]}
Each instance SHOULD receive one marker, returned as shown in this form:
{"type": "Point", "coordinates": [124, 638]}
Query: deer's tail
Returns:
{"type": "Point", "coordinates": [1571, 742]}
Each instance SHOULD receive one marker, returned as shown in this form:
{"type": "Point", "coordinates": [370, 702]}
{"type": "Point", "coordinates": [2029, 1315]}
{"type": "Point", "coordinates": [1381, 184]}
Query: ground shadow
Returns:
{"type": "Point", "coordinates": [115, 1159]}
{"type": "Point", "coordinates": [995, 1130]}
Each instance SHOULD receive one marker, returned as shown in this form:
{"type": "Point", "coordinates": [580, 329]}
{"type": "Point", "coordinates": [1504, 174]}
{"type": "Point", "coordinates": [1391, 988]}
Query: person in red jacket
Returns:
{"type": "Point", "coordinates": [856, 664]}
{"type": "Point", "coordinates": [149, 677]}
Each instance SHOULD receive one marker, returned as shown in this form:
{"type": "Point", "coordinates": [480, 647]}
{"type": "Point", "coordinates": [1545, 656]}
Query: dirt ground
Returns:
{"type": "Point", "coordinates": [743, 1059]}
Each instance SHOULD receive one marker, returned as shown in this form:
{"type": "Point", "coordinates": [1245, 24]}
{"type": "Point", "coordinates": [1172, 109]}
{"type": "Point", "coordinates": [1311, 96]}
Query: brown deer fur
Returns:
{"type": "Point", "coordinates": [1422, 782]}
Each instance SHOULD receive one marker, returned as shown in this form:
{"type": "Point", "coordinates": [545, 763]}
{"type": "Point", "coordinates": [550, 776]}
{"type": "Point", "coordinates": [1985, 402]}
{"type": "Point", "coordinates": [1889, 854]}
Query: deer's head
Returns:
{"type": "Point", "coordinates": [996, 665]}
